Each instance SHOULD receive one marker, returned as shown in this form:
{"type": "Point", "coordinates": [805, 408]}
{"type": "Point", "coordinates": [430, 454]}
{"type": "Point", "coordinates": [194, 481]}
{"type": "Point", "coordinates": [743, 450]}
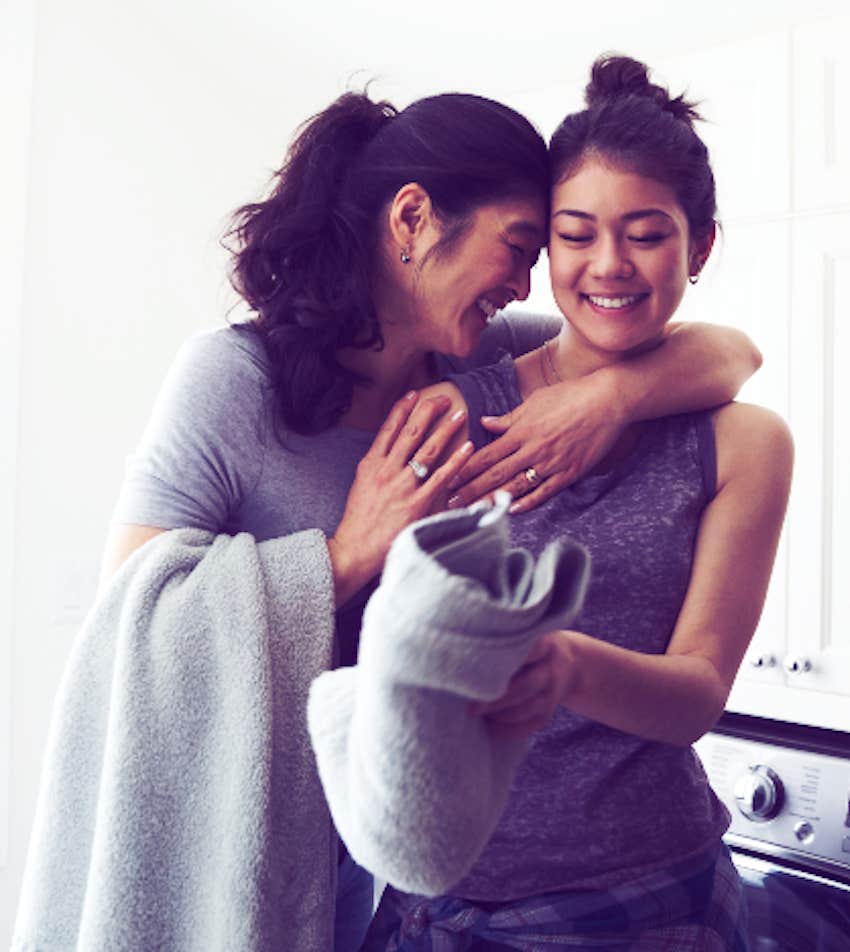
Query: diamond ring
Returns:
{"type": "Point", "coordinates": [420, 469]}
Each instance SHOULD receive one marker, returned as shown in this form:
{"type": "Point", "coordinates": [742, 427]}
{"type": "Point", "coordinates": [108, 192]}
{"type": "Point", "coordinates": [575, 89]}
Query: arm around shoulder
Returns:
{"type": "Point", "coordinates": [696, 366]}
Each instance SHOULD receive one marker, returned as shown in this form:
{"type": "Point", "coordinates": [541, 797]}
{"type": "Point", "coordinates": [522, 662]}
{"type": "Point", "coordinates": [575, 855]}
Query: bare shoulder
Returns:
{"type": "Point", "coordinates": [444, 389]}
{"type": "Point", "coordinates": [754, 445]}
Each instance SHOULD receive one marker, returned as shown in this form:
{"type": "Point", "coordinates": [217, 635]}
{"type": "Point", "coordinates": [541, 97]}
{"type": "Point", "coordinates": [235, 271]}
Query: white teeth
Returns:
{"type": "Point", "coordinates": [612, 303]}
{"type": "Point", "coordinates": [487, 307]}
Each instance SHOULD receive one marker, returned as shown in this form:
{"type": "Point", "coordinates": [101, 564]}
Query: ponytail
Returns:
{"type": "Point", "coordinates": [302, 264]}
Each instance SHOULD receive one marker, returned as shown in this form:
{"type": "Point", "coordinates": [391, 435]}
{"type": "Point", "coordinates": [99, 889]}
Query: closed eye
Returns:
{"type": "Point", "coordinates": [647, 239]}
{"type": "Point", "coordinates": [575, 239]}
{"type": "Point", "coordinates": [520, 252]}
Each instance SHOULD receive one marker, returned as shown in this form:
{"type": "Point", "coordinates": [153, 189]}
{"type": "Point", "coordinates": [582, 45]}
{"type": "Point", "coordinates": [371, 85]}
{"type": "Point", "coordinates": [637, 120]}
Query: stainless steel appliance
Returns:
{"type": "Point", "coordinates": [788, 789]}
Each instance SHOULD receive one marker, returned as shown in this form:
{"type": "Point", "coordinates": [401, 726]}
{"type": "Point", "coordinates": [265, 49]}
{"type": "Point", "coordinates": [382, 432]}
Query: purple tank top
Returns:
{"type": "Point", "coordinates": [591, 806]}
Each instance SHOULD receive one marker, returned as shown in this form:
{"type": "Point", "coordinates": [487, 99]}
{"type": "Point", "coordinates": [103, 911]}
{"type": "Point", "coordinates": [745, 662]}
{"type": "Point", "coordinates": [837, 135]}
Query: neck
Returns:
{"type": "Point", "coordinates": [394, 370]}
{"type": "Point", "coordinates": [574, 356]}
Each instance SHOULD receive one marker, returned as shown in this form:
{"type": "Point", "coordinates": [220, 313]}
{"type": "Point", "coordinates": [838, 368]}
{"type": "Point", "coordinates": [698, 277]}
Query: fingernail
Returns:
{"type": "Point", "coordinates": [514, 507]}
{"type": "Point", "coordinates": [454, 502]}
{"type": "Point", "coordinates": [488, 419]}
{"type": "Point", "coordinates": [411, 395]}
{"type": "Point", "coordinates": [467, 447]}
{"type": "Point", "coordinates": [458, 415]}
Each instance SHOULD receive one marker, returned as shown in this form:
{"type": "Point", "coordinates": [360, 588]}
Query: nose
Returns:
{"type": "Point", "coordinates": [610, 260]}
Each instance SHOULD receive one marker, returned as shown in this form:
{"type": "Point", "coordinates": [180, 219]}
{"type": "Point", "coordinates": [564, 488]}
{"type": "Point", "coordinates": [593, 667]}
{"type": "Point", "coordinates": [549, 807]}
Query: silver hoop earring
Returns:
{"type": "Point", "coordinates": [405, 257]}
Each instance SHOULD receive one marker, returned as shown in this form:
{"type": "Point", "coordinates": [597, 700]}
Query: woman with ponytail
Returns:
{"type": "Point", "coordinates": [611, 839]}
{"type": "Point", "coordinates": [378, 263]}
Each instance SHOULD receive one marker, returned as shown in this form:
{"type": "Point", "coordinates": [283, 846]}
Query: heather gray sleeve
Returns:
{"type": "Point", "coordinates": [202, 450]}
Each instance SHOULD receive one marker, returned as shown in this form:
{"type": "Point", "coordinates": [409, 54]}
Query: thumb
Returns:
{"type": "Point", "coordinates": [497, 424]}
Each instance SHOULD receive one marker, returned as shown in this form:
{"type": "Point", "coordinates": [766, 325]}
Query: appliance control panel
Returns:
{"type": "Point", "coordinates": [795, 800]}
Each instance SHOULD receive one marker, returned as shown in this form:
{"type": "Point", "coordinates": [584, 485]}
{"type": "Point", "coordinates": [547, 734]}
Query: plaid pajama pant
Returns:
{"type": "Point", "coordinates": [696, 906]}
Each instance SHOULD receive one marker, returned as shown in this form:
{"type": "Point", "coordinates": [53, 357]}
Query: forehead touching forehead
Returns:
{"type": "Point", "coordinates": [521, 217]}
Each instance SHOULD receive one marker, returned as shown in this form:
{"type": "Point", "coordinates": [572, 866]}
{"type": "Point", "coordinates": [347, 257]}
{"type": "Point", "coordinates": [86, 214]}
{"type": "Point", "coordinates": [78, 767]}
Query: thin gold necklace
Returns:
{"type": "Point", "coordinates": [544, 375]}
{"type": "Point", "coordinates": [551, 362]}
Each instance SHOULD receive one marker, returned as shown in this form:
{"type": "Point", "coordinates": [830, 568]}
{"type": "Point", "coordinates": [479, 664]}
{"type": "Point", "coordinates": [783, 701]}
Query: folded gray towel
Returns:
{"type": "Point", "coordinates": [180, 808]}
{"type": "Point", "coordinates": [416, 786]}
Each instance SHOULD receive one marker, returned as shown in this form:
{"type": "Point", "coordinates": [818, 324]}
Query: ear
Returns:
{"type": "Point", "coordinates": [411, 216]}
{"type": "Point", "coordinates": [699, 252]}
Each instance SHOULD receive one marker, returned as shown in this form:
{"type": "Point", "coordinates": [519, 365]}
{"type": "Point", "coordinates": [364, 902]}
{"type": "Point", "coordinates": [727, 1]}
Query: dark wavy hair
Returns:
{"type": "Point", "coordinates": [636, 125]}
{"type": "Point", "coordinates": [303, 257]}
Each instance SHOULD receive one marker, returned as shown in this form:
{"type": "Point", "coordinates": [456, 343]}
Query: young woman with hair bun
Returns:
{"type": "Point", "coordinates": [378, 263]}
{"type": "Point", "coordinates": [611, 839]}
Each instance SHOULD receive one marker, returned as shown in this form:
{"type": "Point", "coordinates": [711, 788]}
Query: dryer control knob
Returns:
{"type": "Point", "coordinates": [759, 793]}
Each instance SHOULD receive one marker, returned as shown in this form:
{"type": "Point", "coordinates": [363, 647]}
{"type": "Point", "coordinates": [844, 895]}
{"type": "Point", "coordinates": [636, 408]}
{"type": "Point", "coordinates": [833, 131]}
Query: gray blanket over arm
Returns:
{"type": "Point", "coordinates": [180, 808]}
{"type": "Point", "coordinates": [415, 785]}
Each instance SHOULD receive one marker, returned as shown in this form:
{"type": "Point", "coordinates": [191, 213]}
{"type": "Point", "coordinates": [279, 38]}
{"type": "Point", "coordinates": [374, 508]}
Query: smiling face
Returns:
{"type": "Point", "coordinates": [620, 255]}
{"type": "Point", "coordinates": [458, 290]}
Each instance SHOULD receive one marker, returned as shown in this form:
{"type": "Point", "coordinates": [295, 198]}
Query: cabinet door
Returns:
{"type": "Point", "coordinates": [740, 87]}
{"type": "Point", "coordinates": [745, 285]}
{"type": "Point", "coordinates": [819, 519]}
{"type": "Point", "coordinates": [822, 114]}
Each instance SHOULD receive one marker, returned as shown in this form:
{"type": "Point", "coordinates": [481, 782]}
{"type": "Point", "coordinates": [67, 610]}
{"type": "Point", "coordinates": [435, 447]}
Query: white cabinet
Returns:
{"type": "Point", "coordinates": [741, 90]}
{"type": "Point", "coordinates": [819, 522]}
{"type": "Point", "coordinates": [821, 96]}
{"type": "Point", "coordinates": [746, 285]}
{"type": "Point", "coordinates": [781, 152]}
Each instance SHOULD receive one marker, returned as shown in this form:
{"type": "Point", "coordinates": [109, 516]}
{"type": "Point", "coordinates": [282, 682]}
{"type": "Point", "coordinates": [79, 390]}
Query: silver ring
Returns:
{"type": "Point", "coordinates": [532, 476]}
{"type": "Point", "coordinates": [420, 469]}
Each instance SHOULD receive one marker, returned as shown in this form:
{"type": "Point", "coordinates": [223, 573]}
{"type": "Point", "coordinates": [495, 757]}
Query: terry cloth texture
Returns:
{"type": "Point", "coordinates": [180, 808]}
{"type": "Point", "coordinates": [416, 785]}
{"type": "Point", "coordinates": [696, 906]}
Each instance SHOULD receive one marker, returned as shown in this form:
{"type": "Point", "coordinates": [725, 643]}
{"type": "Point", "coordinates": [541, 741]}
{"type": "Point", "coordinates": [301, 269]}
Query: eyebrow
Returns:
{"type": "Point", "coordinates": [525, 228]}
{"type": "Point", "coordinates": [629, 216]}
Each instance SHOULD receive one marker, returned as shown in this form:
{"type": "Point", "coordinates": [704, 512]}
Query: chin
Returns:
{"type": "Point", "coordinates": [465, 345]}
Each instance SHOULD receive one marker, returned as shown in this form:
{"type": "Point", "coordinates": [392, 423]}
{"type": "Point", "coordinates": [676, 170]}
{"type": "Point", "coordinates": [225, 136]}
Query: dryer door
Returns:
{"type": "Point", "coordinates": [793, 911]}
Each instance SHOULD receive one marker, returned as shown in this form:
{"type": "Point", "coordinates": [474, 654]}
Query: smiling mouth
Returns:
{"type": "Point", "coordinates": [619, 303]}
{"type": "Point", "coordinates": [490, 307]}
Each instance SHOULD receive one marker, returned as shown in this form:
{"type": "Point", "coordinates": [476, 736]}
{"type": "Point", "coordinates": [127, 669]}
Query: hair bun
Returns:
{"type": "Point", "coordinates": [612, 77]}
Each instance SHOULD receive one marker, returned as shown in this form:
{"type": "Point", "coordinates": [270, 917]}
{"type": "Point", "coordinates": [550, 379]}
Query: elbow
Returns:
{"type": "Point", "coordinates": [703, 714]}
{"type": "Point", "coordinates": [748, 359]}
{"type": "Point", "coordinates": [753, 357]}
{"type": "Point", "coordinates": [741, 360]}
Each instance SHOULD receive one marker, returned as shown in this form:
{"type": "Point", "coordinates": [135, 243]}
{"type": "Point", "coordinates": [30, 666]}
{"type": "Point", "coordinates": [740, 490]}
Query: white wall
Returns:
{"type": "Point", "coordinates": [145, 126]}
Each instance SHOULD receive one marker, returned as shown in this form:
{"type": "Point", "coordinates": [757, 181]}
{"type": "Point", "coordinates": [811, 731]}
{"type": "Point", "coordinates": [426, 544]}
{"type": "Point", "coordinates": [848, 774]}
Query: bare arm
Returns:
{"type": "Point", "coordinates": [566, 429]}
{"type": "Point", "coordinates": [697, 366]}
{"type": "Point", "coordinates": [122, 541]}
{"type": "Point", "coordinates": [676, 697]}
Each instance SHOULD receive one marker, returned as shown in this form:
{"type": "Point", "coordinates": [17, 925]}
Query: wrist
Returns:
{"type": "Point", "coordinates": [615, 394]}
{"type": "Point", "coordinates": [344, 570]}
{"type": "Point", "coordinates": [566, 646]}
